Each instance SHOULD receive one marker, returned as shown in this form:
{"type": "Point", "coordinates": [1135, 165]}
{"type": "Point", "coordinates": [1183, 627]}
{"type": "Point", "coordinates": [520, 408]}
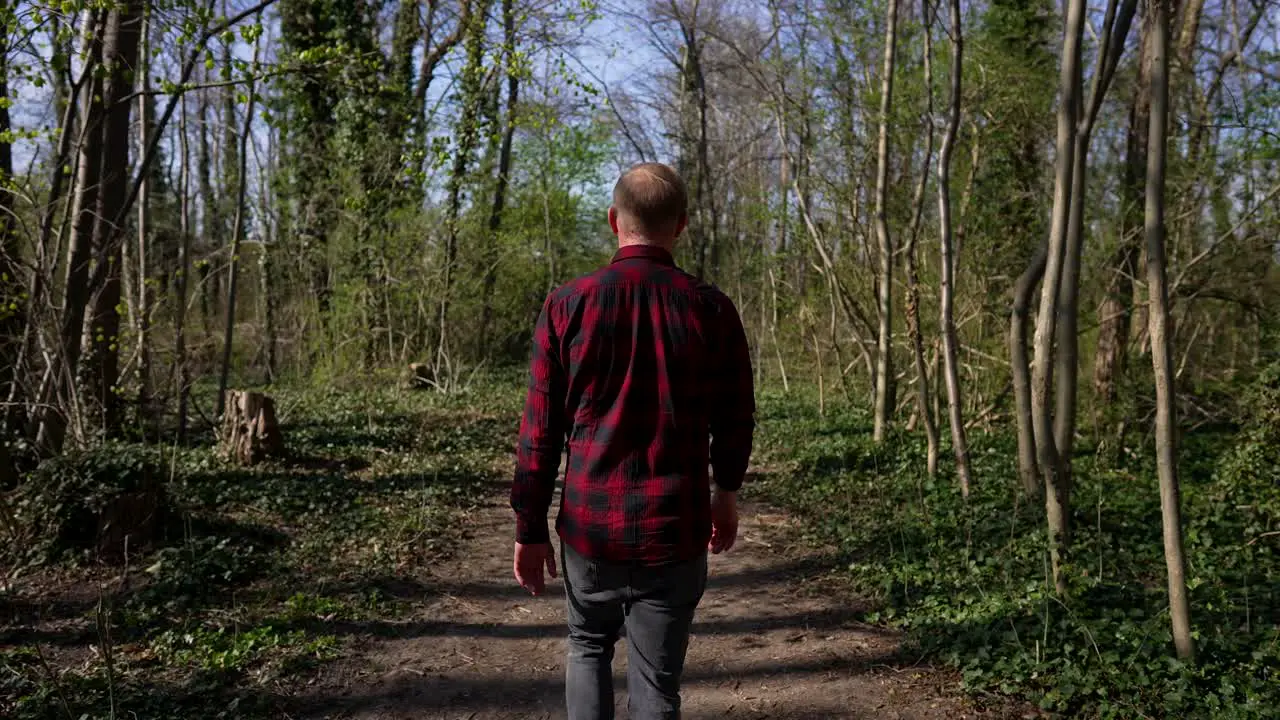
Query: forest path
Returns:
{"type": "Point", "coordinates": [771, 639]}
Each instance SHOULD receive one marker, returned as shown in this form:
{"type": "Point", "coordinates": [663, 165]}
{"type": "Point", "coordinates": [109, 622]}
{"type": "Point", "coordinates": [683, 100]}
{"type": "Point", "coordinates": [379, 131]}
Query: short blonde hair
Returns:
{"type": "Point", "coordinates": [653, 195]}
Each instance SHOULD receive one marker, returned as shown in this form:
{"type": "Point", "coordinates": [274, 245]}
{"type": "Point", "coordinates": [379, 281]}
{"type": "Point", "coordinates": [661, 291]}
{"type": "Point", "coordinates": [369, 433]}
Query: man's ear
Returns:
{"type": "Point", "coordinates": [613, 219]}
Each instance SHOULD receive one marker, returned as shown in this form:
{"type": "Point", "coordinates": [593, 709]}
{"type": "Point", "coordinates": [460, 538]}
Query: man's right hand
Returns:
{"type": "Point", "coordinates": [724, 521]}
{"type": "Point", "coordinates": [529, 563]}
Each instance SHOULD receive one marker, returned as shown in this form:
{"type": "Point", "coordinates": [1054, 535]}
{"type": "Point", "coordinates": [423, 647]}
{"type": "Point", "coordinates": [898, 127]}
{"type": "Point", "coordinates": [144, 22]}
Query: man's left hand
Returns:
{"type": "Point", "coordinates": [529, 563]}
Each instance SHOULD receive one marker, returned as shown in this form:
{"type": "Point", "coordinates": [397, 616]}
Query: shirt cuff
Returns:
{"type": "Point", "coordinates": [532, 532]}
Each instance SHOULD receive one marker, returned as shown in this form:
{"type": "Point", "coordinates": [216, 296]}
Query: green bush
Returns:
{"type": "Point", "coordinates": [99, 503]}
{"type": "Point", "coordinates": [968, 581]}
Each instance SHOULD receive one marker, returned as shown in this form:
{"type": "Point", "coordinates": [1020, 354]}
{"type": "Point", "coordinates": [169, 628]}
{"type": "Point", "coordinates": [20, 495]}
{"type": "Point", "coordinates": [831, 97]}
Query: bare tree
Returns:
{"type": "Point", "coordinates": [1020, 370]}
{"type": "Point", "coordinates": [1056, 321]}
{"type": "Point", "coordinates": [1158, 319]}
{"type": "Point", "coordinates": [237, 235]}
{"type": "Point", "coordinates": [923, 406]}
{"type": "Point", "coordinates": [85, 212]}
{"type": "Point", "coordinates": [183, 284]}
{"type": "Point", "coordinates": [959, 443]}
{"type": "Point", "coordinates": [1116, 23]}
{"type": "Point", "coordinates": [884, 395]}
{"type": "Point", "coordinates": [468, 130]}
{"type": "Point", "coordinates": [1042, 379]}
{"type": "Point", "coordinates": [504, 169]}
{"type": "Point", "coordinates": [143, 317]}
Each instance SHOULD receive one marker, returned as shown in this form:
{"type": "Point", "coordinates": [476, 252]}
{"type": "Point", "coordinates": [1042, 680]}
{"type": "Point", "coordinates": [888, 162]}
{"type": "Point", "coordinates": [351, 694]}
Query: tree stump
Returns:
{"type": "Point", "coordinates": [132, 522]}
{"type": "Point", "coordinates": [250, 433]}
{"type": "Point", "coordinates": [421, 376]}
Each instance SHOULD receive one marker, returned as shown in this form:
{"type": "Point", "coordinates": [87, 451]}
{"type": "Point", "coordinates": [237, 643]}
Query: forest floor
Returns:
{"type": "Point", "coordinates": [368, 575]}
{"type": "Point", "coordinates": [776, 636]}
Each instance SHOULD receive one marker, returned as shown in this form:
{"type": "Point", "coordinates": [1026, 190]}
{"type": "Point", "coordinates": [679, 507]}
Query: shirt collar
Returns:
{"type": "Point", "coordinates": [647, 252]}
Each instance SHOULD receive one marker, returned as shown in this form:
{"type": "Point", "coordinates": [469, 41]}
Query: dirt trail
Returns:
{"type": "Point", "coordinates": [771, 640]}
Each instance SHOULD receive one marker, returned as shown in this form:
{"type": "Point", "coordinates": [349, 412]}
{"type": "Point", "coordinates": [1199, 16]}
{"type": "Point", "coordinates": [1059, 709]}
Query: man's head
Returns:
{"type": "Point", "coordinates": [650, 206]}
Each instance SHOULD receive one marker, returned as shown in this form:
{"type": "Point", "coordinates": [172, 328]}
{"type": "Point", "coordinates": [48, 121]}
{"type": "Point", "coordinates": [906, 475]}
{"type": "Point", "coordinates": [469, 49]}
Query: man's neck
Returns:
{"type": "Point", "coordinates": [639, 240]}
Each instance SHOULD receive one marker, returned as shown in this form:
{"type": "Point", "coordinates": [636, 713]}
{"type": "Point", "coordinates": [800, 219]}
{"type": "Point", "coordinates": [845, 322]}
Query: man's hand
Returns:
{"type": "Point", "coordinates": [724, 521]}
{"type": "Point", "coordinates": [529, 561]}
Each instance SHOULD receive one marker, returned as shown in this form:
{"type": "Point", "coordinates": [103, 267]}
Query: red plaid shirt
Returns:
{"type": "Point", "coordinates": [645, 371]}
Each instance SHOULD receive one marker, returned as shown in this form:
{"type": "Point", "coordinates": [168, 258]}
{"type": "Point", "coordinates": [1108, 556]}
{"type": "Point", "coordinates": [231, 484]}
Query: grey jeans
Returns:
{"type": "Point", "coordinates": [655, 604]}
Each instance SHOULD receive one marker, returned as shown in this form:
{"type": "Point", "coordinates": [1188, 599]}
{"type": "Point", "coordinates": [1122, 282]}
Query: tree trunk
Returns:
{"type": "Point", "coordinates": [504, 171]}
{"type": "Point", "coordinates": [250, 431]}
{"type": "Point", "coordinates": [884, 391]}
{"type": "Point", "coordinates": [183, 284]}
{"type": "Point", "coordinates": [232, 215]}
{"type": "Point", "coordinates": [1115, 313]}
{"type": "Point", "coordinates": [704, 200]}
{"type": "Point", "coordinates": [923, 408]}
{"type": "Point", "coordinates": [211, 225]}
{"type": "Point", "coordinates": [1020, 370]}
{"type": "Point", "coordinates": [265, 283]}
{"type": "Point", "coordinates": [17, 416]}
{"type": "Point", "coordinates": [471, 81]}
{"type": "Point", "coordinates": [102, 335]}
{"type": "Point", "coordinates": [1158, 319]}
{"type": "Point", "coordinates": [950, 350]}
{"type": "Point", "coordinates": [1115, 33]}
{"type": "Point", "coordinates": [60, 389]}
{"type": "Point", "coordinates": [12, 321]}
{"type": "Point", "coordinates": [237, 236]}
{"type": "Point", "coordinates": [143, 318]}
{"type": "Point", "coordinates": [1057, 499]}
{"type": "Point", "coordinates": [431, 56]}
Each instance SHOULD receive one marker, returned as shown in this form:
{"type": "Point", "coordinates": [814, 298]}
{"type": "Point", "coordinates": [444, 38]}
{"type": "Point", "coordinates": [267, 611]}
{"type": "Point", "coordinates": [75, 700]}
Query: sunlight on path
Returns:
{"type": "Point", "coordinates": [766, 644]}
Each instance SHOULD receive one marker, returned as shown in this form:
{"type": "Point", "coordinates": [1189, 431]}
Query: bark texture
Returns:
{"type": "Point", "coordinates": [884, 391]}
{"type": "Point", "coordinates": [250, 431]}
{"type": "Point", "coordinates": [1161, 347]}
{"type": "Point", "coordinates": [950, 344]}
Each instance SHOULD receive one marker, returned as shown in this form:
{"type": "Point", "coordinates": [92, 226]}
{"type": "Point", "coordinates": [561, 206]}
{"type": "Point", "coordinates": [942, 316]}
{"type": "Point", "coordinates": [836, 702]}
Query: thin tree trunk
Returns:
{"type": "Point", "coordinates": [54, 420]}
{"type": "Point", "coordinates": [959, 443]}
{"type": "Point", "coordinates": [705, 200]}
{"type": "Point", "coordinates": [1056, 501]}
{"type": "Point", "coordinates": [1118, 19]}
{"type": "Point", "coordinates": [504, 171]}
{"type": "Point", "coordinates": [923, 408]}
{"type": "Point", "coordinates": [102, 335]}
{"type": "Point", "coordinates": [884, 395]}
{"type": "Point", "coordinates": [231, 175]}
{"type": "Point", "coordinates": [211, 224]}
{"type": "Point", "coordinates": [1115, 313]}
{"type": "Point", "coordinates": [237, 237]}
{"type": "Point", "coordinates": [11, 305]}
{"type": "Point", "coordinates": [1158, 319]}
{"type": "Point", "coordinates": [266, 270]}
{"type": "Point", "coordinates": [184, 277]}
{"type": "Point", "coordinates": [144, 227]}
{"type": "Point", "coordinates": [773, 328]}
{"type": "Point", "coordinates": [44, 250]}
{"type": "Point", "coordinates": [430, 59]}
{"type": "Point", "coordinates": [1020, 370]}
{"type": "Point", "coordinates": [467, 131]}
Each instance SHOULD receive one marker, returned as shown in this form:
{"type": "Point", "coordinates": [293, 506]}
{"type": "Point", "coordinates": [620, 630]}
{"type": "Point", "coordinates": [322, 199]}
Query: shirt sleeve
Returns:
{"type": "Point", "coordinates": [542, 434]}
{"type": "Point", "coordinates": [733, 421]}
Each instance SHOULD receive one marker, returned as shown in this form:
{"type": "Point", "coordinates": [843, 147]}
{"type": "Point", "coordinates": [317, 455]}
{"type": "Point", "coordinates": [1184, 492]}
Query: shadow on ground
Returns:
{"type": "Point", "coordinates": [412, 695]}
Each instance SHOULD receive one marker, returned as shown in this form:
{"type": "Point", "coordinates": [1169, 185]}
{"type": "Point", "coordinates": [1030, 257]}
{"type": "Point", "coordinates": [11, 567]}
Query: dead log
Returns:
{"type": "Point", "coordinates": [250, 432]}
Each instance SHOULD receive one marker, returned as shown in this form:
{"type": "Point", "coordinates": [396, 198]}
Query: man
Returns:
{"type": "Point", "coordinates": [646, 372]}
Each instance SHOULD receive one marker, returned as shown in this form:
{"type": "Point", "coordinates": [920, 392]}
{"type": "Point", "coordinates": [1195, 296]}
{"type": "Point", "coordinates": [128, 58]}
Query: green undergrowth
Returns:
{"type": "Point", "coordinates": [969, 581]}
{"type": "Point", "coordinates": [255, 574]}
